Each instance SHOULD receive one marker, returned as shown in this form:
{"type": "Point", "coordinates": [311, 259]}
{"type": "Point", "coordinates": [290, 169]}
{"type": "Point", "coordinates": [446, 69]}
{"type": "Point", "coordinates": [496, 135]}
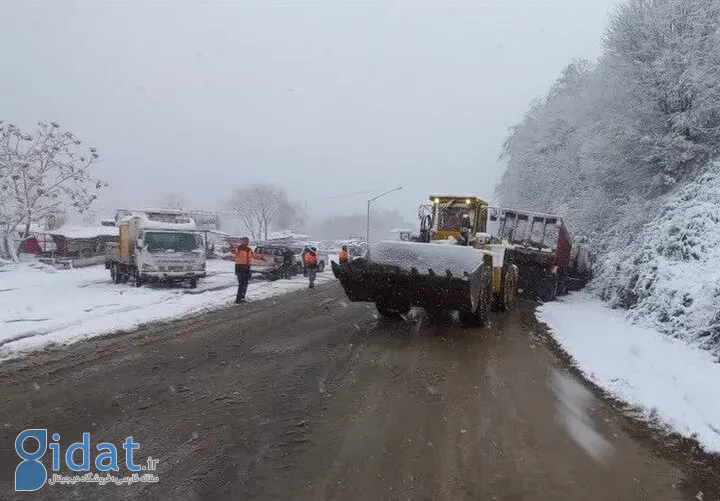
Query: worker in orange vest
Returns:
{"type": "Point", "coordinates": [243, 258]}
{"type": "Point", "coordinates": [310, 260]}
{"type": "Point", "coordinates": [343, 255]}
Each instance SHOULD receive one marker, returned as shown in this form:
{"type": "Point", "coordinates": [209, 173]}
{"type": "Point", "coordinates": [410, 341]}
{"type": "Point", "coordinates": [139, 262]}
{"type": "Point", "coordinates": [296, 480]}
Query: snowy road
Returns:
{"type": "Point", "coordinates": [315, 398]}
{"type": "Point", "coordinates": [41, 306]}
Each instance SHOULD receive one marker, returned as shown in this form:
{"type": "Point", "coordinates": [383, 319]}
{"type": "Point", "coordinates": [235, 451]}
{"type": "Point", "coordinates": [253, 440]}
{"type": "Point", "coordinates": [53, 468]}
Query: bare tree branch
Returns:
{"type": "Point", "coordinates": [41, 172]}
{"type": "Point", "coordinates": [259, 207]}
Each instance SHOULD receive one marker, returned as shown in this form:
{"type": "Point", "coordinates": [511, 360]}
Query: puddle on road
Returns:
{"type": "Point", "coordinates": [574, 401]}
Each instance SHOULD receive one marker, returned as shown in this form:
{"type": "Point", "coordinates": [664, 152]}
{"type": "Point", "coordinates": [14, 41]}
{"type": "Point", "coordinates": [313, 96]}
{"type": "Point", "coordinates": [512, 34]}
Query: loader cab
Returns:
{"type": "Point", "coordinates": [455, 216]}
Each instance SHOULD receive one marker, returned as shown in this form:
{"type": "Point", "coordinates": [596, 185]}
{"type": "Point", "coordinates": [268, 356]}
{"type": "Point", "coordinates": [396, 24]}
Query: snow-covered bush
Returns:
{"type": "Point", "coordinates": [624, 148]}
{"type": "Point", "coordinates": [670, 276]}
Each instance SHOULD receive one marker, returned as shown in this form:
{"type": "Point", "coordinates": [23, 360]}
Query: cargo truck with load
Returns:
{"type": "Point", "coordinates": [542, 247]}
{"type": "Point", "coordinates": [156, 249]}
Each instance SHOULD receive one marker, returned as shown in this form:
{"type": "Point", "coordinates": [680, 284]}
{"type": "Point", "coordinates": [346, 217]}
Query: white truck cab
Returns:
{"type": "Point", "coordinates": [157, 251]}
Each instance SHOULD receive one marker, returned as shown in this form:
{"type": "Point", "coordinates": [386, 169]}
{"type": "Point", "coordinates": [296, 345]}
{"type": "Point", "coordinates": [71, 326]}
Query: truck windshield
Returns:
{"type": "Point", "coordinates": [158, 241]}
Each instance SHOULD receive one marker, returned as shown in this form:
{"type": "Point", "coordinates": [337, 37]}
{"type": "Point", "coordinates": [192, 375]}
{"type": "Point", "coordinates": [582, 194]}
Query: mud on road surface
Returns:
{"type": "Point", "coordinates": [309, 397]}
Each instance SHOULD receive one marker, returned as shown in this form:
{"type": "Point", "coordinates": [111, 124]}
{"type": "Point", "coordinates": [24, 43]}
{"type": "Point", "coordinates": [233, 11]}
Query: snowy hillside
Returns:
{"type": "Point", "coordinates": [624, 148]}
{"type": "Point", "coordinates": [671, 277]}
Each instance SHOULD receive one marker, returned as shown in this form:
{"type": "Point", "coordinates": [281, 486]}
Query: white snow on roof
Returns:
{"type": "Point", "coordinates": [84, 231]}
{"type": "Point", "coordinates": [34, 228]}
{"type": "Point", "coordinates": [284, 234]}
{"type": "Point", "coordinates": [148, 224]}
{"type": "Point", "coordinates": [155, 210]}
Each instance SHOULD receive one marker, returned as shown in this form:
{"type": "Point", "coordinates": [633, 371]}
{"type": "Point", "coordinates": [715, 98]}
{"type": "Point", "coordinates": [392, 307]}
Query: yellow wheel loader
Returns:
{"type": "Point", "coordinates": [453, 264]}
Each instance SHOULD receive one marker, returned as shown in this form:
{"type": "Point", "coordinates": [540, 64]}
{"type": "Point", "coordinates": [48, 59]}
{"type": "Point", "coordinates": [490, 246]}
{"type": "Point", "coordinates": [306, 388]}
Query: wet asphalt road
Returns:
{"type": "Point", "coordinates": [307, 396]}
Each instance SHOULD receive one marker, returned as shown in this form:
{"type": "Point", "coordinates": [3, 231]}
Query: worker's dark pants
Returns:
{"type": "Point", "coordinates": [243, 275]}
{"type": "Point", "coordinates": [312, 271]}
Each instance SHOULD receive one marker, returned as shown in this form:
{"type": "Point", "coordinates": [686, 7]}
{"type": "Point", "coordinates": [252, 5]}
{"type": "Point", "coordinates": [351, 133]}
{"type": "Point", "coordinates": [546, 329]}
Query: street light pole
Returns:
{"type": "Point", "coordinates": [367, 219]}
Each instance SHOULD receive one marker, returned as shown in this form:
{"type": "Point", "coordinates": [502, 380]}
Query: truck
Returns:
{"type": "Point", "coordinates": [541, 245]}
{"type": "Point", "coordinates": [156, 249]}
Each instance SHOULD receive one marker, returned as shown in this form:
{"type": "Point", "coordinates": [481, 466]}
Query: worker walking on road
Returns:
{"type": "Point", "coordinates": [243, 258]}
{"type": "Point", "coordinates": [310, 260]}
{"type": "Point", "coordinates": [343, 255]}
{"type": "Point", "coordinates": [302, 257]}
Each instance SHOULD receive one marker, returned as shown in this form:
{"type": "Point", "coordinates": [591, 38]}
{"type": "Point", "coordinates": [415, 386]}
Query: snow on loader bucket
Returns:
{"type": "Point", "coordinates": [399, 275]}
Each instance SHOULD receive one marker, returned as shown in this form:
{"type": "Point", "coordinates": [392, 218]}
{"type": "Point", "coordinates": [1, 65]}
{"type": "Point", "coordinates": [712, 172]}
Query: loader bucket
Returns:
{"type": "Point", "coordinates": [401, 275]}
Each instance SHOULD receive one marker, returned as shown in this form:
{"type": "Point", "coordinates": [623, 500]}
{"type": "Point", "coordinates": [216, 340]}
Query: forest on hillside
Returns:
{"type": "Point", "coordinates": [626, 148]}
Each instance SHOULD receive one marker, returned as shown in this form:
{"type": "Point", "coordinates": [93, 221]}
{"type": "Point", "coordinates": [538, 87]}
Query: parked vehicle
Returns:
{"type": "Point", "coordinates": [150, 250]}
{"type": "Point", "coordinates": [276, 261]}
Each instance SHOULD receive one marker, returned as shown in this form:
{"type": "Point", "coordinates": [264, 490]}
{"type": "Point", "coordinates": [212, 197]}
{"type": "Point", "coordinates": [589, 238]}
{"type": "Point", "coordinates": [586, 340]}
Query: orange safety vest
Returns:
{"type": "Point", "coordinates": [310, 258]}
{"type": "Point", "coordinates": [343, 255]}
{"type": "Point", "coordinates": [244, 256]}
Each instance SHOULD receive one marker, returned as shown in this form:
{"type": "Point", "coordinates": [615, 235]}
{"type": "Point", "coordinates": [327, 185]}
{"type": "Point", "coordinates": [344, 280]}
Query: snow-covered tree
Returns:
{"type": "Point", "coordinates": [290, 216]}
{"type": "Point", "coordinates": [41, 172]}
{"type": "Point", "coordinates": [173, 201]}
{"type": "Point", "coordinates": [615, 145]}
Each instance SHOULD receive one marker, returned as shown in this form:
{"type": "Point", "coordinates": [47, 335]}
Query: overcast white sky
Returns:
{"type": "Point", "coordinates": [322, 98]}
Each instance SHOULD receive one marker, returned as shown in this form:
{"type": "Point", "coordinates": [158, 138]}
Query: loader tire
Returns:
{"type": "Point", "coordinates": [391, 311]}
{"type": "Point", "coordinates": [480, 317]}
{"type": "Point", "coordinates": [485, 302]}
{"type": "Point", "coordinates": [505, 299]}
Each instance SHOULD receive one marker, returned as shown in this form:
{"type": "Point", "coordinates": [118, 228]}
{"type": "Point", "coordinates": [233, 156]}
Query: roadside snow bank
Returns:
{"type": "Point", "coordinates": [40, 305]}
{"type": "Point", "coordinates": [672, 382]}
{"type": "Point", "coordinates": [669, 276]}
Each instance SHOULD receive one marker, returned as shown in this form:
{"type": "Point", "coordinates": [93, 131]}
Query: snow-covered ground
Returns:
{"type": "Point", "coordinates": [40, 305]}
{"type": "Point", "coordinates": [674, 383]}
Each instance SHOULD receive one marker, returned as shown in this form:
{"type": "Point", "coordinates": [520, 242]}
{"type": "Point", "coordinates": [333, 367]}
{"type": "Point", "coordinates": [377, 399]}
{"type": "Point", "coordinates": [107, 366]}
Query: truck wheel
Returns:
{"type": "Point", "coordinates": [563, 288]}
{"type": "Point", "coordinates": [321, 267]}
{"type": "Point", "coordinates": [193, 283]}
{"type": "Point", "coordinates": [115, 274]}
{"type": "Point", "coordinates": [137, 279]}
{"type": "Point", "coordinates": [550, 289]}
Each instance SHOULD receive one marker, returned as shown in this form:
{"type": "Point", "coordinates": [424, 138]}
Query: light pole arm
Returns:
{"type": "Point", "coordinates": [367, 220]}
{"type": "Point", "coordinates": [383, 194]}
